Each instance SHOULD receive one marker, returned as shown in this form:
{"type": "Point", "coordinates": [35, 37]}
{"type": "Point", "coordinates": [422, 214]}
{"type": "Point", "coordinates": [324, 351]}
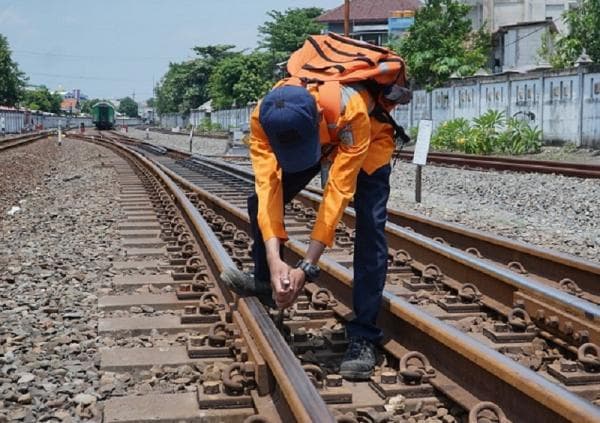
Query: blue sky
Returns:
{"type": "Point", "coordinates": [111, 48]}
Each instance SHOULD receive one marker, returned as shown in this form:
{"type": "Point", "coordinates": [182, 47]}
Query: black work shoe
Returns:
{"type": "Point", "coordinates": [245, 285]}
{"type": "Point", "coordinates": [359, 361]}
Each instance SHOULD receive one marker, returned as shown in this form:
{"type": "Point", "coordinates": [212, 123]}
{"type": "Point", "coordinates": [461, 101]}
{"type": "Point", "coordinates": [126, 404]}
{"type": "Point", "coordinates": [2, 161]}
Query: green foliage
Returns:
{"type": "Point", "coordinates": [441, 42]}
{"type": "Point", "coordinates": [520, 138]}
{"type": "Point", "coordinates": [287, 31]}
{"type": "Point", "coordinates": [239, 79]}
{"type": "Point", "coordinates": [185, 85]}
{"type": "Point", "coordinates": [228, 77]}
{"type": "Point", "coordinates": [41, 99]}
{"type": "Point", "coordinates": [451, 134]}
{"type": "Point", "coordinates": [584, 33]}
{"type": "Point", "coordinates": [12, 80]}
{"type": "Point", "coordinates": [489, 133]}
{"type": "Point", "coordinates": [128, 107]}
{"type": "Point", "coordinates": [207, 126]}
{"type": "Point", "coordinates": [485, 132]}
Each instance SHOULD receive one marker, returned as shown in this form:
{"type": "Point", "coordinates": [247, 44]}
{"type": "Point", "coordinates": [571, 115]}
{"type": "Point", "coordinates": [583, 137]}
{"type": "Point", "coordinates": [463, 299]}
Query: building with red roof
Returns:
{"type": "Point", "coordinates": [69, 105]}
{"type": "Point", "coordinates": [372, 20]}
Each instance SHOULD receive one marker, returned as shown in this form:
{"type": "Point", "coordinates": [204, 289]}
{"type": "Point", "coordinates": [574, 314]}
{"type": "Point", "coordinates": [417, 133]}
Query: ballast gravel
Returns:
{"type": "Point", "coordinates": [553, 211]}
{"type": "Point", "coordinates": [557, 212]}
{"type": "Point", "coordinates": [55, 253]}
{"type": "Point", "coordinates": [200, 145]}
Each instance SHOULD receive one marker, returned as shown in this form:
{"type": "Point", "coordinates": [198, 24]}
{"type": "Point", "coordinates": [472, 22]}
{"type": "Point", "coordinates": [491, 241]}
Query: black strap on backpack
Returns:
{"type": "Point", "coordinates": [383, 116]}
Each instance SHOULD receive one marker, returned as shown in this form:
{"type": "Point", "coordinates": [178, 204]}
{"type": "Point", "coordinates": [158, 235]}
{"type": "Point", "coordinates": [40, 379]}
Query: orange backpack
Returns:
{"type": "Point", "coordinates": [330, 59]}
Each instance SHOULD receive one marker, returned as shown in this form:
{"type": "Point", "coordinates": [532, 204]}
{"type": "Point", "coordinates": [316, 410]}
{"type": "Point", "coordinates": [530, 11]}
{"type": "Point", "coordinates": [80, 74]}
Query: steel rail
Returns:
{"type": "Point", "coordinates": [468, 369]}
{"type": "Point", "coordinates": [421, 247]}
{"type": "Point", "coordinates": [580, 170]}
{"type": "Point", "coordinates": [550, 266]}
{"type": "Point", "coordinates": [558, 314]}
{"type": "Point", "coordinates": [22, 140]}
{"type": "Point", "coordinates": [303, 399]}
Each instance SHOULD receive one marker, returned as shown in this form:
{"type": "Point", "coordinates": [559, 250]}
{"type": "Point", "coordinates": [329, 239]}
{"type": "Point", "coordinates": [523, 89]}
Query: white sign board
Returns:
{"type": "Point", "coordinates": [423, 139]}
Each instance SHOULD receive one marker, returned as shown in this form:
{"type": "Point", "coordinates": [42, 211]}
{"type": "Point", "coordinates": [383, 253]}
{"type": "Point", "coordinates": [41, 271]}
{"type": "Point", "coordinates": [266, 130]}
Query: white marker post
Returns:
{"type": "Point", "coordinates": [59, 133]}
{"type": "Point", "coordinates": [191, 137]}
{"type": "Point", "coordinates": [420, 154]}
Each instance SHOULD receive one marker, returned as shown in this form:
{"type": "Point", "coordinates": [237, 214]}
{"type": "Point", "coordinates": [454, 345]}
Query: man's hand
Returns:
{"type": "Point", "coordinates": [280, 281]}
{"type": "Point", "coordinates": [297, 279]}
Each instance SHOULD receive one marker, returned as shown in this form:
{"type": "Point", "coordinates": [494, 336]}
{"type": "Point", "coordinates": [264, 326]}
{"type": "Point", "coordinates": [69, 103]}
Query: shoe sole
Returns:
{"type": "Point", "coordinates": [350, 375]}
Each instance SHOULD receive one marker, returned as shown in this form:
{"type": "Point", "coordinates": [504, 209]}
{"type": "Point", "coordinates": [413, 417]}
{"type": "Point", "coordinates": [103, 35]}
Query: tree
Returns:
{"type": "Point", "coordinates": [12, 80]}
{"type": "Point", "coordinates": [128, 107]}
{"type": "Point", "coordinates": [287, 31]}
{"type": "Point", "coordinates": [584, 33]}
{"type": "Point", "coordinates": [185, 85]}
{"type": "Point", "coordinates": [441, 43]}
{"type": "Point", "coordinates": [240, 78]}
{"type": "Point", "coordinates": [41, 99]}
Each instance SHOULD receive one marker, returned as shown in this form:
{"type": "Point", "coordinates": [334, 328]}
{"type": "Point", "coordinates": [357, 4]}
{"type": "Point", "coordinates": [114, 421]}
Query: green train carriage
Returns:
{"type": "Point", "coordinates": [103, 115]}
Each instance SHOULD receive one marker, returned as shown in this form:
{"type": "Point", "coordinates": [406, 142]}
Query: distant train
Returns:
{"type": "Point", "coordinates": [103, 115]}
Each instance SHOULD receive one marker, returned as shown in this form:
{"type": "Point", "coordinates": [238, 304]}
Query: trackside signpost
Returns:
{"type": "Point", "coordinates": [420, 154]}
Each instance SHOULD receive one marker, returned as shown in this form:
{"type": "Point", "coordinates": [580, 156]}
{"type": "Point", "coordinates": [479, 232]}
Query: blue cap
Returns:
{"type": "Point", "coordinates": [290, 118]}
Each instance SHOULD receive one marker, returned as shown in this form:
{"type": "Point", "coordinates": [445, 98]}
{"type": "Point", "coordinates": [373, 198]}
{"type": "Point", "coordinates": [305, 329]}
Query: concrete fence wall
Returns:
{"type": "Point", "coordinates": [173, 120]}
{"type": "Point", "coordinates": [564, 104]}
{"type": "Point", "coordinates": [17, 121]}
{"type": "Point", "coordinates": [232, 118]}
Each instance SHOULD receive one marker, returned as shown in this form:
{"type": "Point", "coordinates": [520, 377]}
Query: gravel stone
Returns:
{"type": "Point", "coordinates": [26, 378]}
{"type": "Point", "coordinates": [54, 255]}
{"type": "Point", "coordinates": [25, 399]}
{"type": "Point", "coordinates": [85, 399]}
{"type": "Point", "coordinates": [200, 145]}
{"type": "Point", "coordinates": [553, 211]}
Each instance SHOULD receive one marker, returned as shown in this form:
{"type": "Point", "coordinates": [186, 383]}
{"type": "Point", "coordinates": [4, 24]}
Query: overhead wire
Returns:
{"type": "Point", "coordinates": [516, 40]}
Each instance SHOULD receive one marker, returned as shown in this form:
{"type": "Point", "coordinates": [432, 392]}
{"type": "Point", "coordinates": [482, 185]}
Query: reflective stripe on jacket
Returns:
{"type": "Point", "coordinates": [362, 143]}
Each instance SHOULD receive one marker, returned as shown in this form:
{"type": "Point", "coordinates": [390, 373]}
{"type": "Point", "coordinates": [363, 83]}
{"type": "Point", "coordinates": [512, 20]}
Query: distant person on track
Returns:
{"type": "Point", "coordinates": [290, 142]}
{"type": "Point", "coordinates": [2, 126]}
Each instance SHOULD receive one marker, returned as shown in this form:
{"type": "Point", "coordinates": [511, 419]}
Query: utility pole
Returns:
{"type": "Point", "coordinates": [347, 18]}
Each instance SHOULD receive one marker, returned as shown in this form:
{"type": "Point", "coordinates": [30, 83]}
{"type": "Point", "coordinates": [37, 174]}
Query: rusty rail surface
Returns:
{"type": "Point", "coordinates": [522, 292]}
{"type": "Point", "coordinates": [580, 170]}
{"type": "Point", "coordinates": [558, 313]}
{"type": "Point", "coordinates": [22, 140]}
{"type": "Point", "coordinates": [568, 273]}
{"type": "Point", "coordinates": [468, 371]}
{"type": "Point", "coordinates": [509, 377]}
{"type": "Point", "coordinates": [301, 402]}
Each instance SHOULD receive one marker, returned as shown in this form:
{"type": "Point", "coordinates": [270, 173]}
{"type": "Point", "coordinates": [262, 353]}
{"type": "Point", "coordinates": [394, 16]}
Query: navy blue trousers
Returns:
{"type": "Point", "coordinates": [370, 245]}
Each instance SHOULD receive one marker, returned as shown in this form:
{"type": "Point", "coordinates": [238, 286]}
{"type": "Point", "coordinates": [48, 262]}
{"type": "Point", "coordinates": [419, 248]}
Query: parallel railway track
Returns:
{"type": "Point", "coordinates": [558, 270]}
{"type": "Point", "coordinates": [9, 143]}
{"type": "Point", "coordinates": [471, 368]}
{"type": "Point", "coordinates": [261, 379]}
{"type": "Point", "coordinates": [580, 170]}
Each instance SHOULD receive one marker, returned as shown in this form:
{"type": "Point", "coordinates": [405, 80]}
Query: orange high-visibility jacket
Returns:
{"type": "Point", "coordinates": [362, 143]}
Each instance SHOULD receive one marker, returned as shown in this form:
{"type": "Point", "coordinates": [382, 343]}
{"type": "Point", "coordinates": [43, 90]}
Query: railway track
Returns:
{"type": "Point", "coordinates": [20, 140]}
{"type": "Point", "coordinates": [471, 367]}
{"type": "Point", "coordinates": [580, 170]}
{"type": "Point", "coordinates": [519, 263]}
{"type": "Point", "coordinates": [571, 274]}
{"type": "Point", "coordinates": [258, 379]}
